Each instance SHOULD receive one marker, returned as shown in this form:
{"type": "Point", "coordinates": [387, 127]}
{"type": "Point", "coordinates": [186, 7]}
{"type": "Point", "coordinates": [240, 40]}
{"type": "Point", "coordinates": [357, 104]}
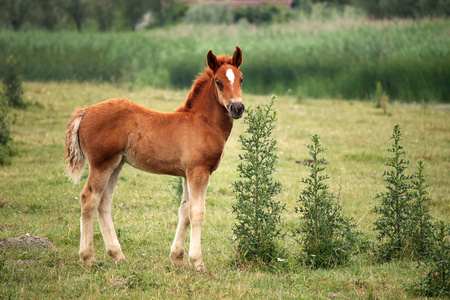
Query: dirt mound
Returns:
{"type": "Point", "coordinates": [26, 241]}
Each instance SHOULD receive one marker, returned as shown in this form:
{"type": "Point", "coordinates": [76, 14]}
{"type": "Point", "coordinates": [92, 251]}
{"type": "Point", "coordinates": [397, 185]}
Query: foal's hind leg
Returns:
{"type": "Point", "coordinates": [104, 218]}
{"type": "Point", "coordinates": [90, 199]}
{"type": "Point", "coordinates": [177, 250]}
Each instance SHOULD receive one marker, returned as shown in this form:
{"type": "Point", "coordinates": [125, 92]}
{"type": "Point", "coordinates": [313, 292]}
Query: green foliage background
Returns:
{"type": "Point", "coordinates": [332, 58]}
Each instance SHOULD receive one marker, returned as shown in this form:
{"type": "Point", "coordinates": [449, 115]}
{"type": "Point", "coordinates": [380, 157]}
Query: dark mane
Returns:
{"type": "Point", "coordinates": [201, 81]}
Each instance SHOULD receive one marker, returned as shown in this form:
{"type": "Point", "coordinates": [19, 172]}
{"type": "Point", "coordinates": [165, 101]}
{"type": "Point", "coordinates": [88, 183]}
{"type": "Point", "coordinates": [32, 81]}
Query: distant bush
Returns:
{"type": "Point", "coordinates": [406, 9]}
{"type": "Point", "coordinates": [267, 13]}
{"type": "Point", "coordinates": [5, 132]}
{"type": "Point", "coordinates": [12, 84]}
{"type": "Point", "coordinates": [210, 13]}
{"type": "Point", "coordinates": [380, 98]}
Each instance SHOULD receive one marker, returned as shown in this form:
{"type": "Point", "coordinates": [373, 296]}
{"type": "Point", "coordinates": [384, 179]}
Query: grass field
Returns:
{"type": "Point", "coordinates": [37, 198]}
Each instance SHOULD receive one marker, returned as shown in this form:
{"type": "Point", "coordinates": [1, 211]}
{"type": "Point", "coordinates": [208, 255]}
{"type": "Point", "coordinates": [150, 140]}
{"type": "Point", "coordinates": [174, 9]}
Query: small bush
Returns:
{"type": "Point", "coordinates": [422, 229]}
{"type": "Point", "coordinates": [5, 133]}
{"type": "Point", "coordinates": [404, 225]}
{"type": "Point", "coordinates": [257, 213]}
{"type": "Point", "coordinates": [12, 84]}
{"type": "Point", "coordinates": [328, 237]}
{"type": "Point", "coordinates": [380, 98]}
{"type": "Point", "coordinates": [437, 281]}
{"type": "Point", "coordinates": [392, 225]}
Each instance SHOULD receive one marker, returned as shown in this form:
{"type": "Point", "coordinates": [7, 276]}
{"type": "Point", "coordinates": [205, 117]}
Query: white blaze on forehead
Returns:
{"type": "Point", "coordinates": [230, 75]}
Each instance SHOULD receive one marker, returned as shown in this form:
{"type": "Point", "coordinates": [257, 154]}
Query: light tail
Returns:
{"type": "Point", "coordinates": [75, 158]}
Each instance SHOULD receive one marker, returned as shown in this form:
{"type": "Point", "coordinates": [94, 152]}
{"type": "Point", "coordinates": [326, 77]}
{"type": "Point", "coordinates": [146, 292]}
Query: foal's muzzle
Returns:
{"type": "Point", "coordinates": [236, 109]}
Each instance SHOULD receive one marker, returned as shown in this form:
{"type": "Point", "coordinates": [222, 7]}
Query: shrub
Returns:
{"type": "Point", "coordinates": [380, 98]}
{"type": "Point", "coordinates": [5, 133]}
{"type": "Point", "coordinates": [422, 228]}
{"type": "Point", "coordinates": [257, 213]}
{"type": "Point", "coordinates": [12, 84]}
{"type": "Point", "coordinates": [404, 225]}
{"type": "Point", "coordinates": [392, 224]}
{"type": "Point", "coordinates": [437, 281]}
{"type": "Point", "coordinates": [328, 237]}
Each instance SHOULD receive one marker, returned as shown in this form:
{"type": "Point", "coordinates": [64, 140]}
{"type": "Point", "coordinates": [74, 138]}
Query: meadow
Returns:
{"type": "Point", "coordinates": [37, 198]}
{"type": "Point", "coordinates": [340, 55]}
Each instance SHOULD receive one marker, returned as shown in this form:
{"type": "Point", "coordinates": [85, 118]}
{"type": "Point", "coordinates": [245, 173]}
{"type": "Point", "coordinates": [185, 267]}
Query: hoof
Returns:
{"type": "Point", "coordinates": [86, 256]}
{"type": "Point", "coordinates": [177, 259]}
{"type": "Point", "coordinates": [198, 264]}
{"type": "Point", "coordinates": [200, 267]}
{"type": "Point", "coordinates": [116, 255]}
{"type": "Point", "coordinates": [121, 261]}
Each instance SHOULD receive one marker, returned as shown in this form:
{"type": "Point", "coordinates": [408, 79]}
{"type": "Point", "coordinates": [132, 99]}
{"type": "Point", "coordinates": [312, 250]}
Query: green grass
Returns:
{"type": "Point", "coordinates": [37, 198]}
{"type": "Point", "coordinates": [329, 57]}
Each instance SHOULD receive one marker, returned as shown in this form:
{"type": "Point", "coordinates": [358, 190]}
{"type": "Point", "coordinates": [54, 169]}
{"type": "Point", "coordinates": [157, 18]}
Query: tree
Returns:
{"type": "Point", "coordinates": [133, 10]}
{"type": "Point", "coordinates": [49, 13]}
{"type": "Point", "coordinates": [103, 13]}
{"type": "Point", "coordinates": [76, 9]}
{"type": "Point", "coordinates": [405, 8]}
{"type": "Point", "coordinates": [16, 11]}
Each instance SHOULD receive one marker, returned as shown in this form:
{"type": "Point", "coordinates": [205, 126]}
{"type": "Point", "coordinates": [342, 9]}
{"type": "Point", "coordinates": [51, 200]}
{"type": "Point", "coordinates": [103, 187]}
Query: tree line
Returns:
{"type": "Point", "coordinates": [105, 15]}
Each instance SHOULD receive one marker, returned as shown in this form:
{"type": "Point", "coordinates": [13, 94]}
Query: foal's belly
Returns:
{"type": "Point", "coordinates": [156, 166]}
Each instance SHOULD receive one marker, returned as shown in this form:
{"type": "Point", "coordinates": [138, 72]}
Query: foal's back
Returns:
{"type": "Point", "coordinates": [119, 130]}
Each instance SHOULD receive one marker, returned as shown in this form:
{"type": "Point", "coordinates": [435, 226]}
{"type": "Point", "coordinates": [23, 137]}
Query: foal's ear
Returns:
{"type": "Point", "coordinates": [237, 57]}
{"type": "Point", "coordinates": [212, 61]}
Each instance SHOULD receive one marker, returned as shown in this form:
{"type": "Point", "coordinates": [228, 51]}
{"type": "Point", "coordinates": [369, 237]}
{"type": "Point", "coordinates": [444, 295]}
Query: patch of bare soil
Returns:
{"type": "Point", "coordinates": [26, 241]}
{"type": "Point", "coordinates": [308, 162]}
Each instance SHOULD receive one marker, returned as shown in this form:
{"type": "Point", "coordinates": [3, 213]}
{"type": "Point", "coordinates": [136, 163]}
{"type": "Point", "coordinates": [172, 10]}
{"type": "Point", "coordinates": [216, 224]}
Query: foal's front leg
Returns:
{"type": "Point", "coordinates": [197, 183]}
{"type": "Point", "coordinates": [177, 250]}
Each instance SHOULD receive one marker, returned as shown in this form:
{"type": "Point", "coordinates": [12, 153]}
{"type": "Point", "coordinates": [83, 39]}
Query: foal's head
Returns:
{"type": "Point", "coordinates": [228, 81]}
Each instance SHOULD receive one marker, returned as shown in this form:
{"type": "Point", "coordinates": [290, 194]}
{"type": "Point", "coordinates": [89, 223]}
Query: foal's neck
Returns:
{"type": "Point", "coordinates": [208, 108]}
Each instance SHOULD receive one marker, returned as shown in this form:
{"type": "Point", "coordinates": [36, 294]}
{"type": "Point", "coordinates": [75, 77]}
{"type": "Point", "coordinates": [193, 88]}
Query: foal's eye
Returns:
{"type": "Point", "coordinates": [219, 84]}
{"type": "Point", "coordinates": [241, 81]}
